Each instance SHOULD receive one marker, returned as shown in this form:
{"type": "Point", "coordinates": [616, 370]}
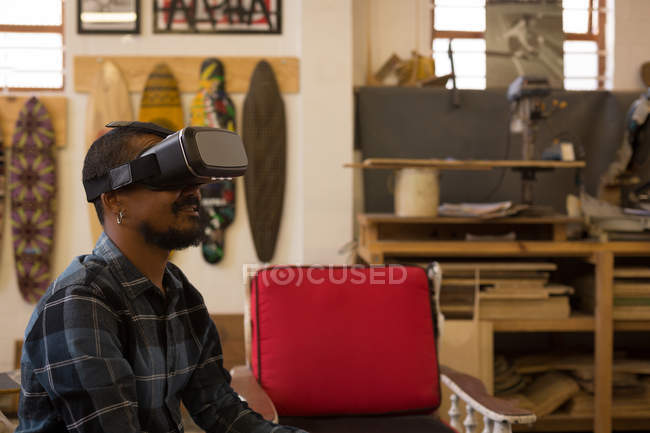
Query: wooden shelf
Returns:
{"type": "Point", "coordinates": [388, 218]}
{"type": "Point", "coordinates": [576, 323]}
{"type": "Point", "coordinates": [572, 423]}
{"type": "Point", "coordinates": [186, 70]}
{"type": "Point", "coordinates": [469, 165]}
{"type": "Point", "coordinates": [632, 325]}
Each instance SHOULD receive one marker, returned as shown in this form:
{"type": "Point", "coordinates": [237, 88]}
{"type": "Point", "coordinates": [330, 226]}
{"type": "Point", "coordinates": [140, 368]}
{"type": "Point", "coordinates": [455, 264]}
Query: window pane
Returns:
{"type": "Point", "coordinates": [474, 3]}
{"type": "Point", "coordinates": [459, 18]}
{"type": "Point", "coordinates": [580, 65]}
{"type": "Point", "coordinates": [580, 47]}
{"type": "Point", "coordinates": [31, 12]}
{"type": "Point", "coordinates": [469, 61]}
{"type": "Point", "coordinates": [580, 83]}
{"type": "Point", "coordinates": [580, 59]}
{"type": "Point", "coordinates": [575, 20]}
{"type": "Point", "coordinates": [575, 4]}
{"type": "Point", "coordinates": [31, 60]}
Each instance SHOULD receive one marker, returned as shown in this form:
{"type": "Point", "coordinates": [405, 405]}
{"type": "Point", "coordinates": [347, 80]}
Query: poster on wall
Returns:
{"type": "Point", "coordinates": [108, 16]}
{"type": "Point", "coordinates": [217, 16]}
{"type": "Point", "coordinates": [524, 37]}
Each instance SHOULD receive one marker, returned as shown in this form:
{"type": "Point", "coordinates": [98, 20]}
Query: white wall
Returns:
{"type": "Point", "coordinates": [631, 48]}
{"type": "Point", "coordinates": [316, 218]}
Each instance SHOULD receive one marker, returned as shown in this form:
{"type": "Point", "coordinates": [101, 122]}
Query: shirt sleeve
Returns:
{"type": "Point", "coordinates": [75, 354]}
{"type": "Point", "coordinates": [211, 401]}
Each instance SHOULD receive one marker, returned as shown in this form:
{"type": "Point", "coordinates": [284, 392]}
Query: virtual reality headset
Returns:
{"type": "Point", "coordinates": [192, 156]}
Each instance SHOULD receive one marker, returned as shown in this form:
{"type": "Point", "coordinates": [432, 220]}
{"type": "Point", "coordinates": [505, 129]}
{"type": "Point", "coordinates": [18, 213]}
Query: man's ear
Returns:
{"type": "Point", "coordinates": [111, 202]}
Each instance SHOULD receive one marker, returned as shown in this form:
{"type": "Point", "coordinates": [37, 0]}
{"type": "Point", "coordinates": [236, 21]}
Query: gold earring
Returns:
{"type": "Point", "coordinates": [120, 217]}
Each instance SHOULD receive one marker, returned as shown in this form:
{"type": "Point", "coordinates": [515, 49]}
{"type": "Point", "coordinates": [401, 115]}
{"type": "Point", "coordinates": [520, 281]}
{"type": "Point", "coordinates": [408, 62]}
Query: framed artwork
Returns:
{"type": "Point", "coordinates": [217, 16]}
{"type": "Point", "coordinates": [108, 16]}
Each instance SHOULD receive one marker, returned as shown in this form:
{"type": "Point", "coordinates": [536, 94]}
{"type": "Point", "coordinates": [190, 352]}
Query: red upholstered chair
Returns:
{"type": "Point", "coordinates": [343, 349]}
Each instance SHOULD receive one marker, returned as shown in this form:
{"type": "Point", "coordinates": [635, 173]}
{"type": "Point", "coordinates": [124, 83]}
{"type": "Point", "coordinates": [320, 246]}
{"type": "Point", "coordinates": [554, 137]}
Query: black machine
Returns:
{"type": "Point", "coordinates": [191, 156]}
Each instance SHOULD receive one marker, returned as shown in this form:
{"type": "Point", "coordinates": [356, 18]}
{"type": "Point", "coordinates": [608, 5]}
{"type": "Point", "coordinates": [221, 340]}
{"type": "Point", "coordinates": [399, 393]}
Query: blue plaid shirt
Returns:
{"type": "Point", "coordinates": [106, 351]}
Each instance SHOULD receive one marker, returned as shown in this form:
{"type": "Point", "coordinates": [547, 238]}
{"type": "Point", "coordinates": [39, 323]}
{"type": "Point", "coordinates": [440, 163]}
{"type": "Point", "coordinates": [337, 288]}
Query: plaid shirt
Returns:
{"type": "Point", "coordinates": [106, 351]}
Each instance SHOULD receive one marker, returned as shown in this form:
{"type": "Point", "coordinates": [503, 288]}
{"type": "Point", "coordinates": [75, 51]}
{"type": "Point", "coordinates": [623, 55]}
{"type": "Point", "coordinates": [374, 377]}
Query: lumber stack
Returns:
{"type": "Point", "coordinates": [502, 290]}
{"type": "Point", "coordinates": [561, 384]}
{"type": "Point", "coordinates": [632, 293]}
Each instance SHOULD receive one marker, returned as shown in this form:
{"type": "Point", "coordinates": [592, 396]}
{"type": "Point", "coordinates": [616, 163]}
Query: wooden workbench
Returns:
{"type": "Point", "coordinates": [385, 236]}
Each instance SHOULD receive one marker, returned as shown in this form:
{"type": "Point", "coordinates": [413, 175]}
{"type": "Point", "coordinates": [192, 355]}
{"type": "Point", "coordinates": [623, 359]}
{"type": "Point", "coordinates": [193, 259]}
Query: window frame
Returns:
{"type": "Point", "coordinates": [589, 35]}
{"type": "Point", "coordinates": [17, 28]}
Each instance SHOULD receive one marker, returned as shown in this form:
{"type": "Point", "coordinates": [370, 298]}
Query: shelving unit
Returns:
{"type": "Point", "coordinates": [385, 236]}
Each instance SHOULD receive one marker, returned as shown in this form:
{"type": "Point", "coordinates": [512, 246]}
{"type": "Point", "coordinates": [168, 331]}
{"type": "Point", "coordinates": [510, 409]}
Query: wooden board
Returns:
{"type": "Point", "coordinates": [238, 71]}
{"type": "Point", "coordinates": [108, 101]}
{"type": "Point", "coordinates": [556, 307]}
{"type": "Point", "coordinates": [466, 346]}
{"type": "Point", "coordinates": [632, 272]}
{"type": "Point", "coordinates": [32, 187]}
{"type": "Point", "coordinates": [231, 335]}
{"type": "Point", "coordinates": [161, 100]}
{"type": "Point", "coordinates": [10, 107]}
{"type": "Point", "coordinates": [264, 136]}
{"type": "Point", "coordinates": [549, 392]}
{"type": "Point", "coordinates": [497, 266]}
{"type": "Point", "coordinates": [444, 164]}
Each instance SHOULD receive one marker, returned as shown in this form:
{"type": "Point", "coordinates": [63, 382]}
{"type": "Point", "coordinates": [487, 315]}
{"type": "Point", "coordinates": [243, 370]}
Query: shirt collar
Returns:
{"type": "Point", "coordinates": [132, 280]}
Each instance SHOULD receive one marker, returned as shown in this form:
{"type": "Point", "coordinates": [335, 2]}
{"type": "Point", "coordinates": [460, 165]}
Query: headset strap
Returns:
{"type": "Point", "coordinates": [121, 176]}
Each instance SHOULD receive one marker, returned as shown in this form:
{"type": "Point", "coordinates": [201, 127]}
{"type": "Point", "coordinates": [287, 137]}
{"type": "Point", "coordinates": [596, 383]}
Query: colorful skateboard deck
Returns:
{"type": "Point", "coordinates": [2, 183]}
{"type": "Point", "coordinates": [213, 107]}
{"type": "Point", "coordinates": [264, 136]}
{"type": "Point", "coordinates": [161, 100]}
{"type": "Point", "coordinates": [108, 101]}
{"type": "Point", "coordinates": [32, 182]}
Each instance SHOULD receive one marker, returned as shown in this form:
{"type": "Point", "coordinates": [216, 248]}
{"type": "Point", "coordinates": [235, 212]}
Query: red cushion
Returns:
{"type": "Point", "coordinates": [344, 340]}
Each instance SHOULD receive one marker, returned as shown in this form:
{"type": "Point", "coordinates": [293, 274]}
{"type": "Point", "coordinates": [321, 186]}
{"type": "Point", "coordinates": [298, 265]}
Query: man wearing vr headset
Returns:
{"type": "Point", "coordinates": [121, 337]}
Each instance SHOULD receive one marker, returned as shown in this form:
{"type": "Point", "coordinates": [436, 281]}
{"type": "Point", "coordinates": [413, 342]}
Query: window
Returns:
{"type": "Point", "coordinates": [31, 44]}
{"type": "Point", "coordinates": [463, 21]}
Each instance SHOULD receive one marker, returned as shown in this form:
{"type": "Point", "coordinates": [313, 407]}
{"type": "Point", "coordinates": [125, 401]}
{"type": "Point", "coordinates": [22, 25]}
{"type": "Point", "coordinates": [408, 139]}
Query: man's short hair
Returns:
{"type": "Point", "coordinates": [114, 148]}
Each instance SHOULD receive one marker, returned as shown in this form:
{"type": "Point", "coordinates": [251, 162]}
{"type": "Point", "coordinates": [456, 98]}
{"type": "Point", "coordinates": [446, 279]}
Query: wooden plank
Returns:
{"type": "Point", "coordinates": [231, 334]}
{"type": "Point", "coordinates": [631, 290]}
{"type": "Point", "coordinates": [498, 266]}
{"type": "Point", "coordinates": [392, 218]}
{"type": "Point", "coordinates": [604, 341]}
{"type": "Point", "coordinates": [556, 307]}
{"type": "Point", "coordinates": [444, 164]}
{"type": "Point", "coordinates": [575, 323]}
{"type": "Point", "coordinates": [632, 272]}
{"type": "Point", "coordinates": [10, 107]}
{"type": "Point", "coordinates": [186, 70]}
{"type": "Point", "coordinates": [506, 248]}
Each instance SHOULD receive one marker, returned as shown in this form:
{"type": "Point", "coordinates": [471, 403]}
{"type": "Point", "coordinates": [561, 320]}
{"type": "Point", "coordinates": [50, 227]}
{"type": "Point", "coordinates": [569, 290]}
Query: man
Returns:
{"type": "Point", "coordinates": [121, 336]}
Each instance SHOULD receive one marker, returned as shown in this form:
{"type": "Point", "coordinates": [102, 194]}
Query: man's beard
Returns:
{"type": "Point", "coordinates": [173, 238]}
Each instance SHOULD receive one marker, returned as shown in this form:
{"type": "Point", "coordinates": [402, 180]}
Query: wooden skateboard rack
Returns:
{"type": "Point", "coordinates": [186, 71]}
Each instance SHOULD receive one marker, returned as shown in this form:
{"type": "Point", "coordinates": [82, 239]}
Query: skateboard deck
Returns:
{"type": "Point", "coordinates": [2, 182]}
{"type": "Point", "coordinates": [32, 182]}
{"type": "Point", "coordinates": [213, 107]}
{"type": "Point", "coordinates": [161, 99]}
{"type": "Point", "coordinates": [264, 136]}
{"type": "Point", "coordinates": [108, 101]}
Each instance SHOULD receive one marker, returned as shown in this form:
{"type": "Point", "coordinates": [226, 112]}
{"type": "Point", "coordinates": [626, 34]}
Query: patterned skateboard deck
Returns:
{"type": "Point", "coordinates": [213, 107]}
{"type": "Point", "coordinates": [264, 136]}
{"type": "Point", "coordinates": [108, 101]}
{"type": "Point", "coordinates": [32, 182]}
{"type": "Point", "coordinates": [2, 184]}
{"type": "Point", "coordinates": [161, 100]}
